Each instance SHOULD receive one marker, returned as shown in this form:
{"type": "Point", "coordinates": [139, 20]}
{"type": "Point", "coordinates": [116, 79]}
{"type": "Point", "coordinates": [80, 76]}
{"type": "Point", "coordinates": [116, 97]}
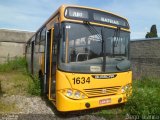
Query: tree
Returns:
{"type": "Point", "coordinates": [152, 33]}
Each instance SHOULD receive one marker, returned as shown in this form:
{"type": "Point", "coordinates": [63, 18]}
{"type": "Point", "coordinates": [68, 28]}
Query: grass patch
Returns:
{"type": "Point", "coordinates": [145, 101]}
{"type": "Point", "coordinates": [112, 113]}
{"type": "Point", "coordinates": [15, 80]}
{"type": "Point", "coordinates": [18, 64]}
{"type": "Point", "coordinates": [7, 108]}
{"type": "Point", "coordinates": [15, 83]}
{"type": "Point", "coordinates": [34, 87]}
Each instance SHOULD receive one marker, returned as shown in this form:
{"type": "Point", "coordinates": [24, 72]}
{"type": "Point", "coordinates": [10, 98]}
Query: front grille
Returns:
{"type": "Point", "coordinates": [94, 92]}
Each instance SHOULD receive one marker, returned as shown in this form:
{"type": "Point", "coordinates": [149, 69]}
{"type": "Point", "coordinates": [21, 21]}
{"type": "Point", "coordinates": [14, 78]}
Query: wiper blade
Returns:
{"type": "Point", "coordinates": [100, 35]}
{"type": "Point", "coordinates": [92, 30]}
{"type": "Point", "coordinates": [115, 36]}
{"type": "Point", "coordinates": [103, 50]}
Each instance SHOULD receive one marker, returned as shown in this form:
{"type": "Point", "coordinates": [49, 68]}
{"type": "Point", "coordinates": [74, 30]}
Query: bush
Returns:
{"type": "Point", "coordinates": [144, 102]}
{"type": "Point", "coordinates": [18, 66]}
{"type": "Point", "coordinates": [19, 63]}
{"type": "Point", "coordinates": [145, 99]}
{"type": "Point", "coordinates": [34, 87]}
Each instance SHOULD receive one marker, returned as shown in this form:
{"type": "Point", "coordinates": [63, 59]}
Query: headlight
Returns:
{"type": "Point", "coordinates": [126, 88]}
{"type": "Point", "coordinates": [69, 93]}
{"type": "Point", "coordinates": [74, 94]}
{"type": "Point", "coordinates": [77, 94]}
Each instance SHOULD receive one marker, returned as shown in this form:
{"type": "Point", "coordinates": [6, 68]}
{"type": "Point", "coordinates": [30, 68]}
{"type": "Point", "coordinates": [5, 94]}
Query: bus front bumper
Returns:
{"type": "Point", "coordinates": [65, 104]}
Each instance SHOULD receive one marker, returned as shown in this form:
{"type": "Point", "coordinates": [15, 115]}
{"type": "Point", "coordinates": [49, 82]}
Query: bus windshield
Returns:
{"type": "Point", "coordinates": [82, 48]}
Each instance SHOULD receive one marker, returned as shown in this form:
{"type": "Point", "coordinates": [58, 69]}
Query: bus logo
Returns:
{"type": "Point", "coordinates": [104, 90]}
{"type": "Point", "coordinates": [104, 76]}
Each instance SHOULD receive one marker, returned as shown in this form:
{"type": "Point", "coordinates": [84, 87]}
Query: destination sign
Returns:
{"type": "Point", "coordinates": [78, 13]}
{"type": "Point", "coordinates": [95, 16]}
{"type": "Point", "coordinates": [109, 19]}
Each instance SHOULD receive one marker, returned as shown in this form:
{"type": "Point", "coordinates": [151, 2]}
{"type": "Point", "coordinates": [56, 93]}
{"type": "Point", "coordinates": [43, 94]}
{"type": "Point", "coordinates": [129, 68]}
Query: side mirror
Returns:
{"type": "Point", "coordinates": [57, 32]}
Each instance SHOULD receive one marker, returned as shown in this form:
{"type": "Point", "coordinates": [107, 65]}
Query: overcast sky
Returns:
{"type": "Point", "coordinates": [29, 15]}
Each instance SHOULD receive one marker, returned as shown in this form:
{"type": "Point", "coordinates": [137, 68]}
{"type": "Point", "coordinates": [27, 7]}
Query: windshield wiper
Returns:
{"type": "Point", "coordinates": [92, 30]}
{"type": "Point", "coordinates": [103, 50]}
{"type": "Point", "coordinates": [115, 36]}
{"type": "Point", "coordinates": [101, 37]}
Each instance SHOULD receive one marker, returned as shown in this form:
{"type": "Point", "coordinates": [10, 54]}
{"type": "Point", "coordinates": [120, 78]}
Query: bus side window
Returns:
{"type": "Point", "coordinates": [54, 53]}
{"type": "Point", "coordinates": [42, 40]}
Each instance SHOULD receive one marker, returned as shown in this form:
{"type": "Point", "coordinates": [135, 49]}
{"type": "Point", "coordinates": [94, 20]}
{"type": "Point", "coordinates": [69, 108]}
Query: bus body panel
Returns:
{"type": "Point", "coordinates": [65, 81]}
{"type": "Point", "coordinates": [64, 104]}
{"type": "Point", "coordinates": [120, 80]}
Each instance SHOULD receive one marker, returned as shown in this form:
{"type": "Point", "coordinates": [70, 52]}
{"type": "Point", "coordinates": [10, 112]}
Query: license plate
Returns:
{"type": "Point", "coordinates": [105, 101]}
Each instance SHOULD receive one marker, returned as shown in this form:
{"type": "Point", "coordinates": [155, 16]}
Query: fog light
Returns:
{"type": "Point", "coordinates": [119, 100]}
{"type": "Point", "coordinates": [87, 105]}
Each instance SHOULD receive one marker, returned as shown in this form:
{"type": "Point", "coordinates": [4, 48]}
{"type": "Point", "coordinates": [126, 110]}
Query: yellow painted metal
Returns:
{"type": "Point", "coordinates": [99, 24]}
{"type": "Point", "coordinates": [121, 79]}
{"type": "Point", "coordinates": [50, 22]}
{"type": "Point", "coordinates": [64, 80]}
{"type": "Point", "coordinates": [67, 44]}
{"type": "Point", "coordinates": [66, 104]}
{"type": "Point", "coordinates": [62, 18]}
{"type": "Point", "coordinates": [63, 7]}
{"type": "Point", "coordinates": [50, 69]}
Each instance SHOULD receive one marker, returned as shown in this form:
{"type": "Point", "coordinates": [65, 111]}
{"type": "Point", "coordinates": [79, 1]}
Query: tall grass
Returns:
{"type": "Point", "coordinates": [145, 99]}
{"type": "Point", "coordinates": [19, 63]}
{"type": "Point", "coordinates": [17, 70]}
{"type": "Point", "coordinates": [34, 86]}
{"type": "Point", "coordinates": [143, 103]}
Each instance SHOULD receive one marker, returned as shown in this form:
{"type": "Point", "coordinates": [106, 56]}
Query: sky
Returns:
{"type": "Point", "coordinates": [29, 15]}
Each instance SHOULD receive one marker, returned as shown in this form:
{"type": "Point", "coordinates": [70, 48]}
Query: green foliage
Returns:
{"type": "Point", "coordinates": [154, 30]}
{"type": "Point", "coordinates": [15, 83]}
{"type": "Point", "coordinates": [18, 80]}
{"type": "Point", "coordinates": [145, 99]}
{"type": "Point", "coordinates": [19, 63]}
{"type": "Point", "coordinates": [34, 87]}
{"type": "Point", "coordinates": [8, 108]}
{"type": "Point", "coordinates": [152, 33]}
{"type": "Point", "coordinates": [112, 113]}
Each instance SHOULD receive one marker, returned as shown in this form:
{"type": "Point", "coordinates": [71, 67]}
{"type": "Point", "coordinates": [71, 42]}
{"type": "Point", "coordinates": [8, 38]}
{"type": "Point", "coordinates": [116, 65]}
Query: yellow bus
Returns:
{"type": "Point", "coordinates": [81, 55]}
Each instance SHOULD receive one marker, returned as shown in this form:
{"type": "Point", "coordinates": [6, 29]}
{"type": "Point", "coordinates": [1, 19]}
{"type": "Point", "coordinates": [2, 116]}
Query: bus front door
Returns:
{"type": "Point", "coordinates": [50, 65]}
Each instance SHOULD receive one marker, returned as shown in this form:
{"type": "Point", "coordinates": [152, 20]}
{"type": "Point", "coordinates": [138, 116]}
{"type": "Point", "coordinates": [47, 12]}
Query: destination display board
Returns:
{"type": "Point", "coordinates": [95, 16]}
